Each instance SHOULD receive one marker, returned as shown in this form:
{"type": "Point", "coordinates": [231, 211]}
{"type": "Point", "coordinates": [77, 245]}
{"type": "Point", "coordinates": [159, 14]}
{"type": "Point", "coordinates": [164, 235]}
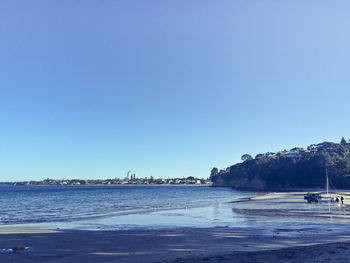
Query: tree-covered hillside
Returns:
{"type": "Point", "coordinates": [296, 168]}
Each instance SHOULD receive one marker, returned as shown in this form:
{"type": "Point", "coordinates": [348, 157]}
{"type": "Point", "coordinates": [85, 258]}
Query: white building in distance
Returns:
{"type": "Point", "coordinates": [129, 176]}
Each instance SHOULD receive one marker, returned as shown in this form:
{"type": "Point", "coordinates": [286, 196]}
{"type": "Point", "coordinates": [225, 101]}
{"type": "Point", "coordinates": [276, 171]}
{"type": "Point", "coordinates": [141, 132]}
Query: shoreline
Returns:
{"type": "Point", "coordinates": [166, 245]}
{"type": "Point", "coordinates": [111, 185]}
{"type": "Point", "coordinates": [284, 228]}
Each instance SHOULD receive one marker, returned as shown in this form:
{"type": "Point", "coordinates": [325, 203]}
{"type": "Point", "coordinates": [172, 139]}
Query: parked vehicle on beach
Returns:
{"type": "Point", "coordinates": [312, 197]}
{"type": "Point", "coordinates": [324, 196]}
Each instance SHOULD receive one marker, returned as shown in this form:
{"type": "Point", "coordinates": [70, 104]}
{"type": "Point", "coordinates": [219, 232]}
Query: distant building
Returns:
{"type": "Point", "coordinates": [129, 176]}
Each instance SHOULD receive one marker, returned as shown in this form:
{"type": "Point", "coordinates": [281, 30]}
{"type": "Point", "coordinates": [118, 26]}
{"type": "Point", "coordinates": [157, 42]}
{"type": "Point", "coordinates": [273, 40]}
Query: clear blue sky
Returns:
{"type": "Point", "coordinates": [92, 89]}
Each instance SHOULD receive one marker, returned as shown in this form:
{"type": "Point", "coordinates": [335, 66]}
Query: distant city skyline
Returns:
{"type": "Point", "coordinates": [92, 89]}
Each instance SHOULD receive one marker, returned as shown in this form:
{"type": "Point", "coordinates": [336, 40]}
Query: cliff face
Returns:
{"type": "Point", "coordinates": [296, 168]}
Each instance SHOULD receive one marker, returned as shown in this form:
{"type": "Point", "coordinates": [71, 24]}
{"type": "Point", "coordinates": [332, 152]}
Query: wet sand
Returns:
{"type": "Point", "coordinates": [325, 253]}
{"type": "Point", "coordinates": [286, 232]}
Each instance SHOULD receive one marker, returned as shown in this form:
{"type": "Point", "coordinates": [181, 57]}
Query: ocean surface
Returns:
{"type": "Point", "coordinates": [119, 207]}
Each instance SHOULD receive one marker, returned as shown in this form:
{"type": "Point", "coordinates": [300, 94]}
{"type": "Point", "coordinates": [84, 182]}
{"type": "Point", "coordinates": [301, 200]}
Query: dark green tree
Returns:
{"type": "Point", "coordinates": [343, 141]}
{"type": "Point", "coordinates": [214, 172]}
{"type": "Point", "coordinates": [246, 157]}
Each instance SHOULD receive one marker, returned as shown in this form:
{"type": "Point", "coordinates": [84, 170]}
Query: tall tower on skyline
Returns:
{"type": "Point", "coordinates": [129, 175]}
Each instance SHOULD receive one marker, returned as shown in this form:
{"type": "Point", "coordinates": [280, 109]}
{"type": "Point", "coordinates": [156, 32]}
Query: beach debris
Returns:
{"type": "Point", "coordinates": [6, 250]}
{"type": "Point", "coordinates": [19, 247]}
{"type": "Point", "coordinates": [14, 249]}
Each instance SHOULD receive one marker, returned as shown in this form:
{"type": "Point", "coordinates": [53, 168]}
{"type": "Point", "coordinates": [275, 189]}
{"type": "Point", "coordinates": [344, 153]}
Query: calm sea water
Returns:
{"type": "Point", "coordinates": [119, 206]}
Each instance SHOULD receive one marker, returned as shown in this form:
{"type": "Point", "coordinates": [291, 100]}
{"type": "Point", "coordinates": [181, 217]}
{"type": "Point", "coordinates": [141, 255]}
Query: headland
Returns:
{"type": "Point", "coordinates": [289, 169]}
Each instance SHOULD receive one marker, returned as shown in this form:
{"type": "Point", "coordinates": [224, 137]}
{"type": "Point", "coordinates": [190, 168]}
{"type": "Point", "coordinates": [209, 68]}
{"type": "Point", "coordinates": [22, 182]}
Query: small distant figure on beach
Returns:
{"type": "Point", "coordinates": [337, 200]}
{"type": "Point", "coordinates": [342, 200]}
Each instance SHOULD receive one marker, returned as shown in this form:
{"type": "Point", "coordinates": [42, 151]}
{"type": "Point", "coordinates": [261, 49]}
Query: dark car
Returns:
{"type": "Point", "coordinates": [312, 197]}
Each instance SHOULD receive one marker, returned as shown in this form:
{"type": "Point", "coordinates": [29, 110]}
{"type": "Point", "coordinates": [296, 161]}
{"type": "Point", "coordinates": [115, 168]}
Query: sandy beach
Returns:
{"type": "Point", "coordinates": [287, 230]}
{"type": "Point", "coordinates": [173, 245]}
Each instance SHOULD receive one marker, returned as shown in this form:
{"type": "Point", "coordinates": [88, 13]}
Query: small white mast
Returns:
{"type": "Point", "coordinates": [327, 181]}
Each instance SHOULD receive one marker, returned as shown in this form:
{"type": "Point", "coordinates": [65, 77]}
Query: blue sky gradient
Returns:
{"type": "Point", "coordinates": [92, 89]}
